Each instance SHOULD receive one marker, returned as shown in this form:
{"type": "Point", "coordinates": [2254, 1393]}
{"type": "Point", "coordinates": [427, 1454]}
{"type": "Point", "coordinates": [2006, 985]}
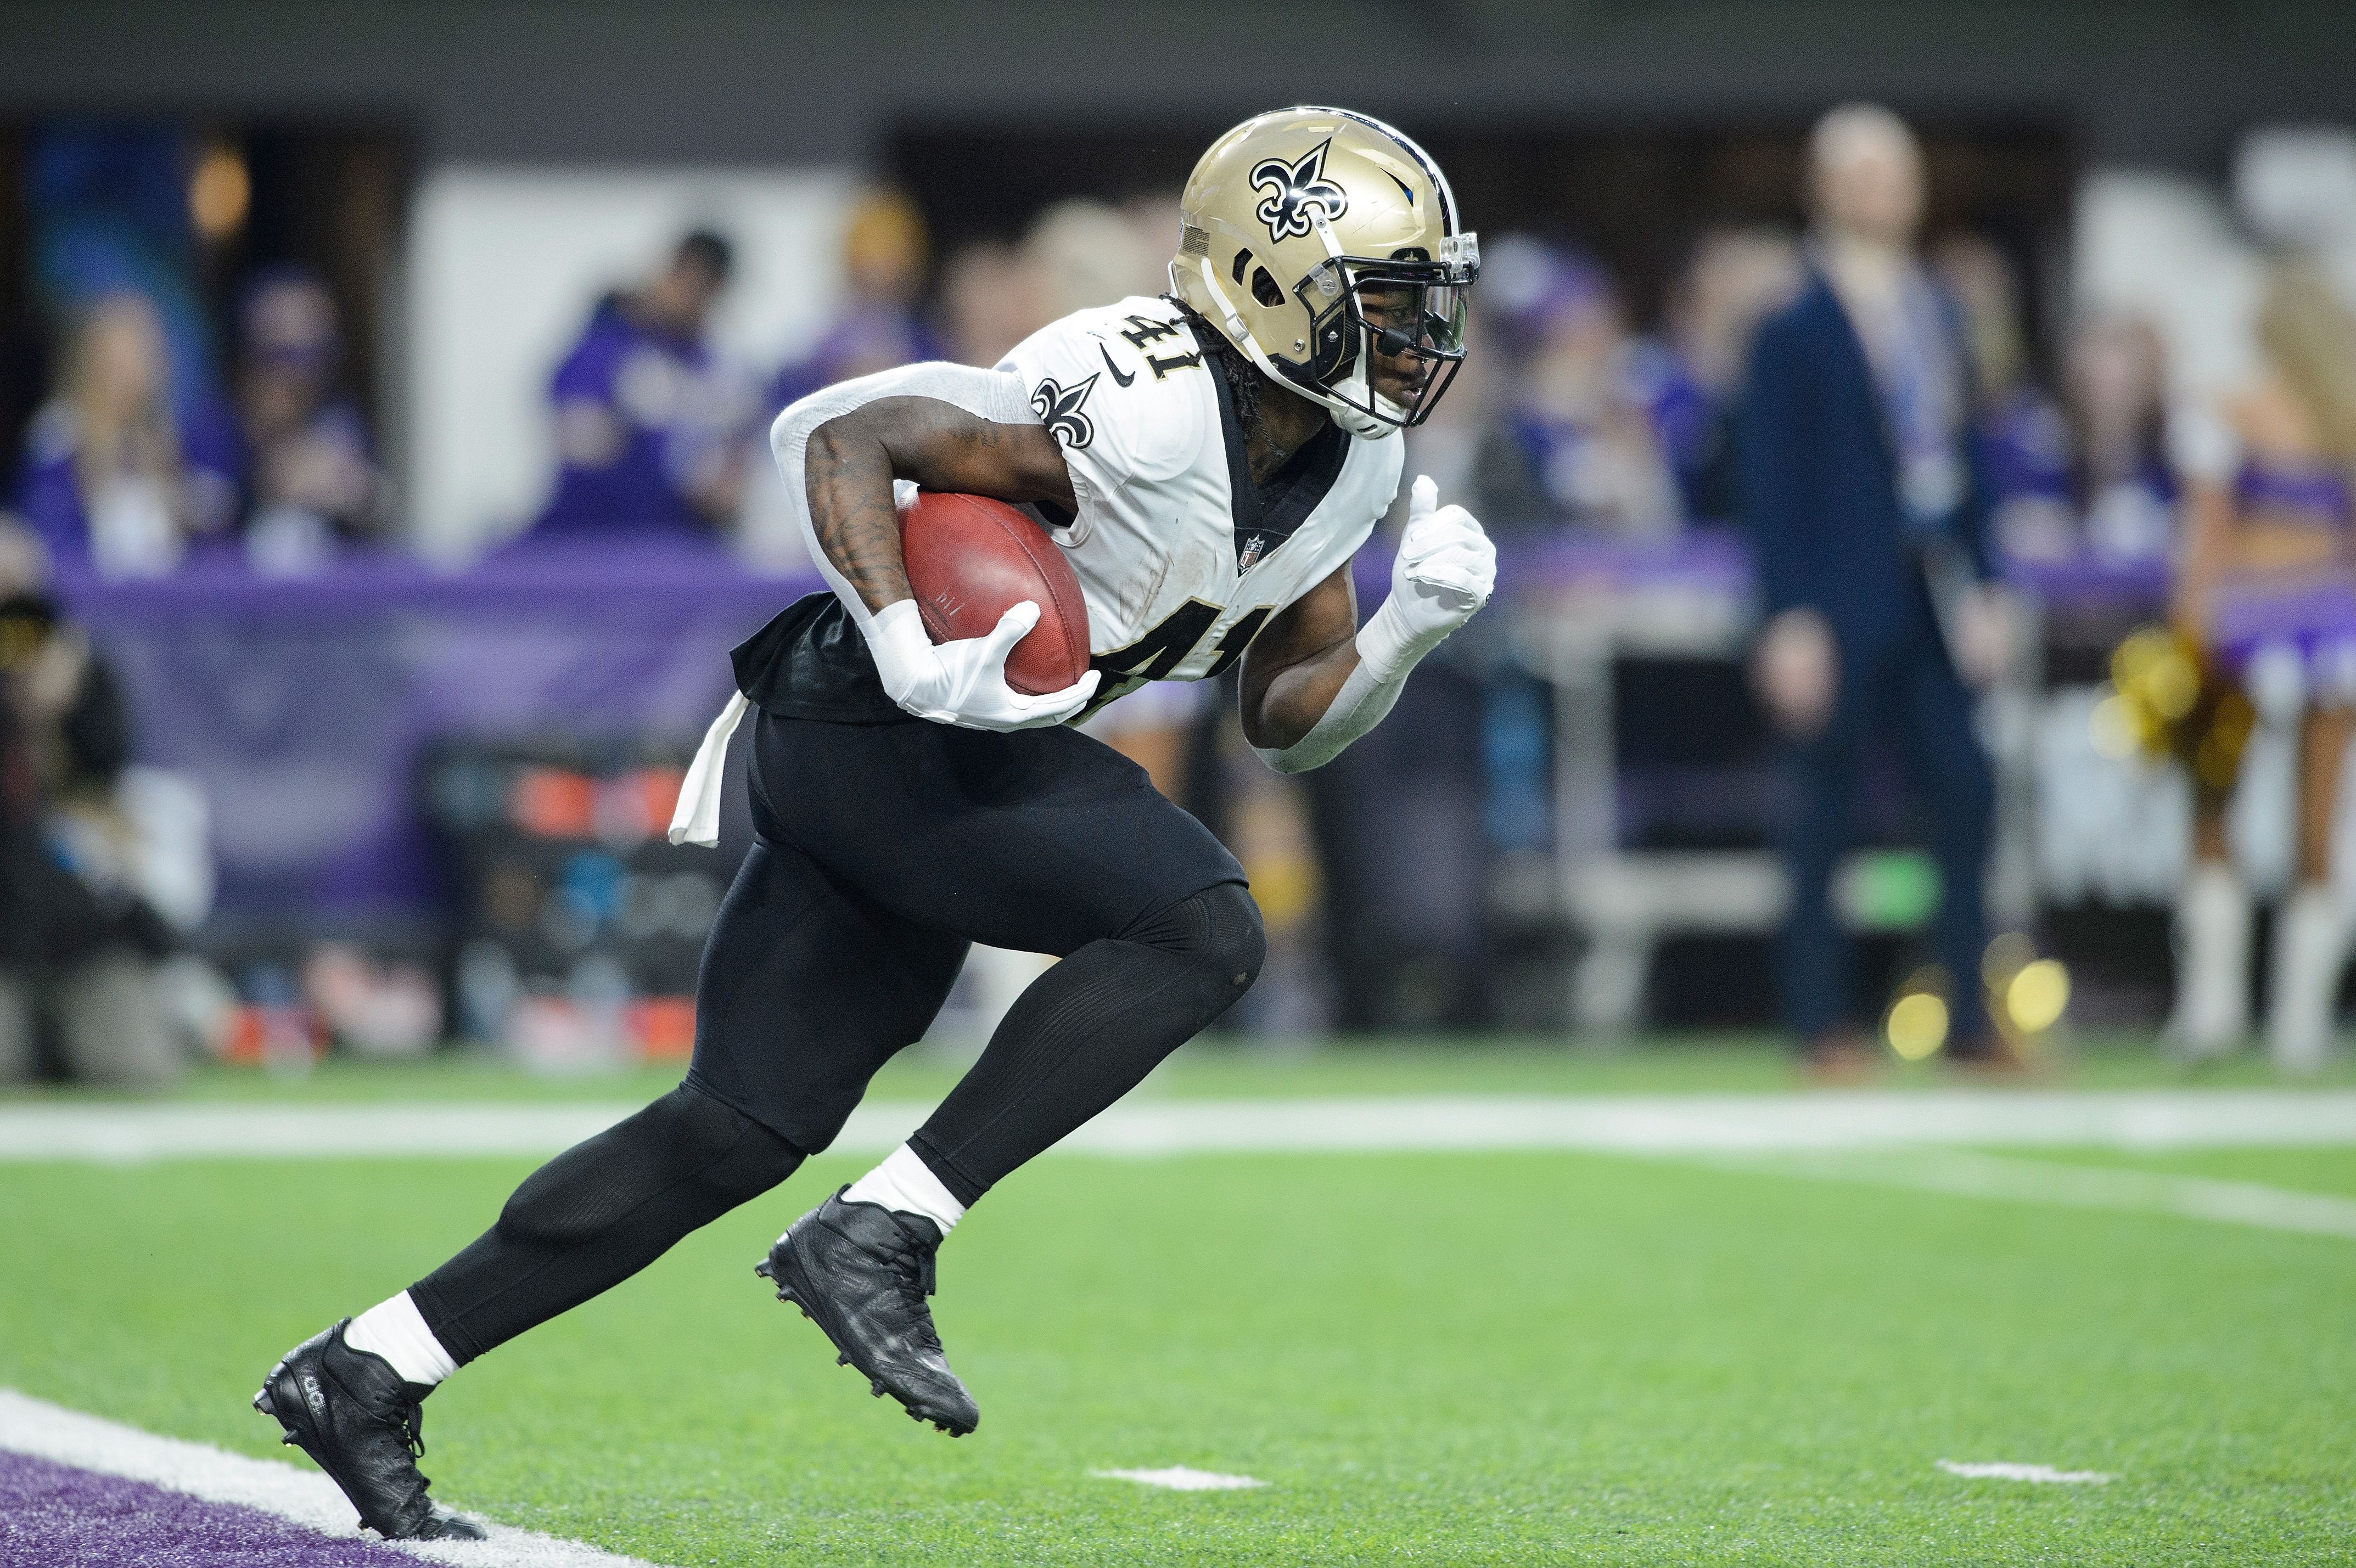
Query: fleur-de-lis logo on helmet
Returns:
{"type": "Point", "coordinates": [1293, 189]}
{"type": "Point", "coordinates": [1059, 409]}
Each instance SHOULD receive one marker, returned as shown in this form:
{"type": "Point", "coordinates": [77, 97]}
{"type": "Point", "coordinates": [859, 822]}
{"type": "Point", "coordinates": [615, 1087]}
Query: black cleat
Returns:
{"type": "Point", "coordinates": [361, 1424]}
{"type": "Point", "coordinates": [862, 1272]}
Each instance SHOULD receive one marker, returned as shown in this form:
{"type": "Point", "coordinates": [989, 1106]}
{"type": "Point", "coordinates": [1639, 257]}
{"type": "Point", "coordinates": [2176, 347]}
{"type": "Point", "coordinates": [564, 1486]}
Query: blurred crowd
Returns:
{"type": "Point", "coordinates": [1870, 407]}
{"type": "Point", "coordinates": [125, 476]}
{"type": "Point", "coordinates": [1572, 418]}
{"type": "Point", "coordinates": [1567, 420]}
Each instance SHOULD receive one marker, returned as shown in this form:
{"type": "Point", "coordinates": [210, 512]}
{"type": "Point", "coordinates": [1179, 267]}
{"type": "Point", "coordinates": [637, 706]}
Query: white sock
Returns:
{"type": "Point", "coordinates": [397, 1331]}
{"type": "Point", "coordinates": [2311, 950]}
{"type": "Point", "coordinates": [907, 1185]}
{"type": "Point", "coordinates": [2212, 958]}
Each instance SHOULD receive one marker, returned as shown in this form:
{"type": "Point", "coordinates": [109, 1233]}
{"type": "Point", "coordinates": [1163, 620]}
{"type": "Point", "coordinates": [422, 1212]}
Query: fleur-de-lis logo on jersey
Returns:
{"type": "Point", "coordinates": [1293, 189]}
{"type": "Point", "coordinates": [1059, 409]}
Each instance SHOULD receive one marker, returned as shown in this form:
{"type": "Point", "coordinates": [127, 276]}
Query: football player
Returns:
{"type": "Point", "coordinates": [1209, 461]}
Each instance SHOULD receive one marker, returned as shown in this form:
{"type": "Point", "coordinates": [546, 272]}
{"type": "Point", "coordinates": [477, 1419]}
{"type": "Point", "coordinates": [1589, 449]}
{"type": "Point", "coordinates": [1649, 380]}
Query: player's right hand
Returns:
{"type": "Point", "coordinates": [964, 682]}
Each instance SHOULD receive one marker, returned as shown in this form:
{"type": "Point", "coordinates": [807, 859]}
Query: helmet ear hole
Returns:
{"type": "Point", "coordinates": [1243, 259]}
{"type": "Point", "coordinates": [1264, 288]}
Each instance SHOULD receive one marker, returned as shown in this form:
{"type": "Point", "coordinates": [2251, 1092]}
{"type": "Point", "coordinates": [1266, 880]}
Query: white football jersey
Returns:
{"type": "Point", "coordinates": [1179, 564]}
{"type": "Point", "coordinates": [1180, 559]}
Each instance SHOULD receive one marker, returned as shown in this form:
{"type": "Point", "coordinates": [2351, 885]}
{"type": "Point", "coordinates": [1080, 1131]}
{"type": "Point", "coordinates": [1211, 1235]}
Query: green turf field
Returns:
{"type": "Point", "coordinates": [1427, 1358]}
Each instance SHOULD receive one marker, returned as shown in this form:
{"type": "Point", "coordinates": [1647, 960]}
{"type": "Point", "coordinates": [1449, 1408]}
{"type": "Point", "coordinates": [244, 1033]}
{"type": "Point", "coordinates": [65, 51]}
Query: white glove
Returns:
{"type": "Point", "coordinates": [964, 682]}
{"type": "Point", "coordinates": [1445, 571]}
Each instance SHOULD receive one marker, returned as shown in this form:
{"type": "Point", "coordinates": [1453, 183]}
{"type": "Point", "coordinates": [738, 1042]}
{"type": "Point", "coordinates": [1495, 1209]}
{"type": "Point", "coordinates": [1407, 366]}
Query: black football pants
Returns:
{"type": "Point", "coordinates": [882, 851]}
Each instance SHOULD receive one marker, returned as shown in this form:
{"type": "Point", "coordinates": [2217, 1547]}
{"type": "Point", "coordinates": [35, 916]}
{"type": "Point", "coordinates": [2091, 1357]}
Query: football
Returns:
{"type": "Point", "coordinates": [971, 558]}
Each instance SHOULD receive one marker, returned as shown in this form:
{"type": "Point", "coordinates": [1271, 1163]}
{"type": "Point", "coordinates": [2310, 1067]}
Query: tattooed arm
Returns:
{"type": "Point", "coordinates": [852, 459]}
{"type": "Point", "coordinates": [845, 466]}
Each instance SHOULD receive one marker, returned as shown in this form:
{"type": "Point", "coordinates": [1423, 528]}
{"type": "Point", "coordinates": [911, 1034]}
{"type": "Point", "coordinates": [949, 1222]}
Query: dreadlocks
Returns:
{"type": "Point", "coordinates": [1243, 378]}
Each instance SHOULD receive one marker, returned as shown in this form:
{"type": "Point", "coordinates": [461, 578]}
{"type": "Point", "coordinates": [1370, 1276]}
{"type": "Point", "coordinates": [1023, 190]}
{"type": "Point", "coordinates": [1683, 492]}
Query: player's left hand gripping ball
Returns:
{"type": "Point", "coordinates": [964, 682]}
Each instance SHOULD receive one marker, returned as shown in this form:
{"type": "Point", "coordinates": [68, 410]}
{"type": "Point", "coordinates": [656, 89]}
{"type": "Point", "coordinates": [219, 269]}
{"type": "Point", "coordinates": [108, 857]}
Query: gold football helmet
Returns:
{"type": "Point", "coordinates": [1316, 238]}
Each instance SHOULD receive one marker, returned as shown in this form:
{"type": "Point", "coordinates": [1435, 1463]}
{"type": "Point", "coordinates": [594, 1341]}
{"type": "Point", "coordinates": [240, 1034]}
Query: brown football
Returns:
{"type": "Point", "coordinates": [971, 558]}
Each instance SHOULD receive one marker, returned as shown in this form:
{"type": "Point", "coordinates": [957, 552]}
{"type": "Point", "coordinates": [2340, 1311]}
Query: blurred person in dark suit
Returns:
{"type": "Point", "coordinates": [1863, 489]}
{"type": "Point", "coordinates": [112, 481]}
{"type": "Point", "coordinates": [649, 421]}
{"type": "Point", "coordinates": [311, 480]}
{"type": "Point", "coordinates": [77, 945]}
{"type": "Point", "coordinates": [1733, 281]}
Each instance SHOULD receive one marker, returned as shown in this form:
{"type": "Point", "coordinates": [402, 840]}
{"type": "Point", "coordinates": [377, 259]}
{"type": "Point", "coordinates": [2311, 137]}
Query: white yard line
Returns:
{"type": "Point", "coordinates": [1972, 1175]}
{"type": "Point", "coordinates": [129, 1133]}
{"type": "Point", "coordinates": [1182, 1478]}
{"type": "Point", "coordinates": [2155, 1119]}
{"type": "Point", "coordinates": [2003, 1470]}
{"type": "Point", "coordinates": [304, 1497]}
{"type": "Point", "coordinates": [1713, 1124]}
{"type": "Point", "coordinates": [1917, 1140]}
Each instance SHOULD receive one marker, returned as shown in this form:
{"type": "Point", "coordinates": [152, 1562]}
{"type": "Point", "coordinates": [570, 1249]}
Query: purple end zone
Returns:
{"type": "Point", "coordinates": [52, 1514]}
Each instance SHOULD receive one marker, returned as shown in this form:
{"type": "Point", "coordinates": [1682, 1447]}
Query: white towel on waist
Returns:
{"type": "Point", "coordinates": [697, 820]}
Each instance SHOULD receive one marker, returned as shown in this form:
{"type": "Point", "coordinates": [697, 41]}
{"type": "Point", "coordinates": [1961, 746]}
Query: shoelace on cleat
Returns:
{"type": "Point", "coordinates": [911, 1271]}
{"type": "Point", "coordinates": [411, 1425]}
{"type": "Point", "coordinates": [408, 1422]}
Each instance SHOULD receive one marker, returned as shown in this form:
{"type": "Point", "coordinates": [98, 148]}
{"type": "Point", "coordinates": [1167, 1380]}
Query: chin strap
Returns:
{"type": "Point", "coordinates": [1354, 417]}
{"type": "Point", "coordinates": [1353, 420]}
{"type": "Point", "coordinates": [1354, 413]}
{"type": "Point", "coordinates": [1235, 322]}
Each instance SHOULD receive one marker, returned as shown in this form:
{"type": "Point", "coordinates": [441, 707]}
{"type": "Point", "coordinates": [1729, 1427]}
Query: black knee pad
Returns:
{"type": "Point", "coordinates": [1219, 927]}
{"type": "Point", "coordinates": [686, 1145]}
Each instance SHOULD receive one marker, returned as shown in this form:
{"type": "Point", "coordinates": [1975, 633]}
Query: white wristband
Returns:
{"type": "Point", "coordinates": [1388, 647]}
{"type": "Point", "coordinates": [1387, 650]}
{"type": "Point", "coordinates": [1358, 707]}
{"type": "Point", "coordinates": [895, 636]}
